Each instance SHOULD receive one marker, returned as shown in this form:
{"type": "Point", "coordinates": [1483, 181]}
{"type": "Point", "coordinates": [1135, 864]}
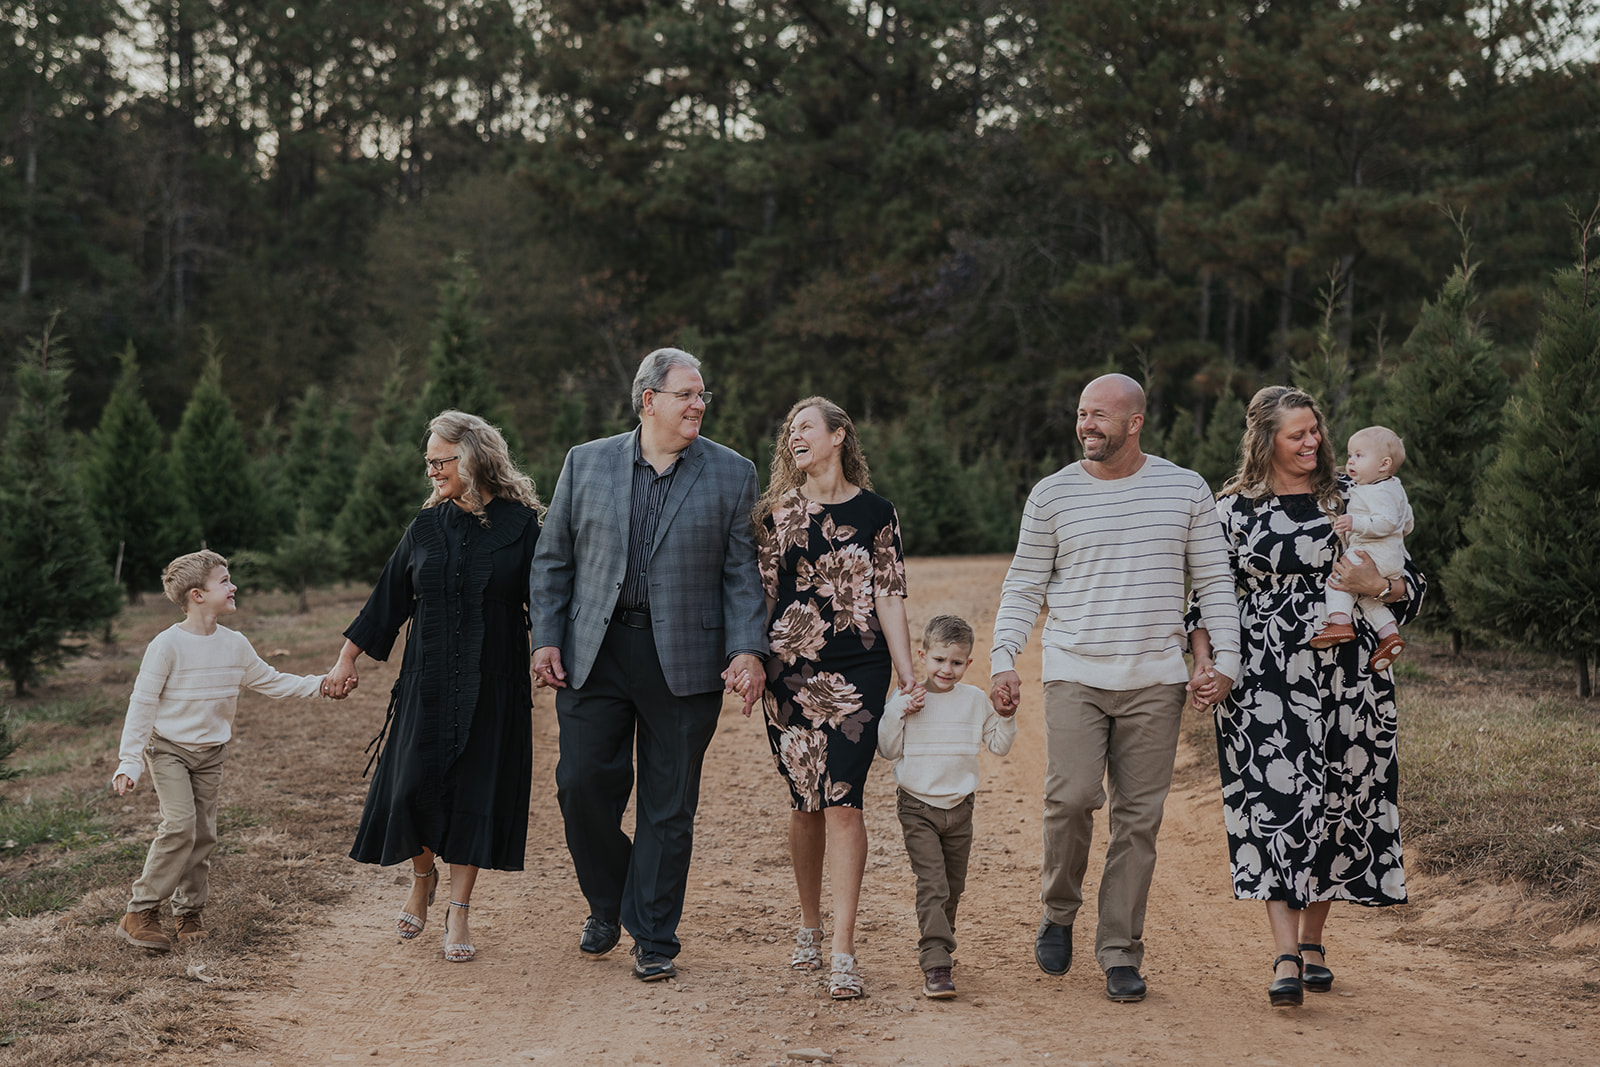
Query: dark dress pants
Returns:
{"type": "Point", "coordinates": [624, 701]}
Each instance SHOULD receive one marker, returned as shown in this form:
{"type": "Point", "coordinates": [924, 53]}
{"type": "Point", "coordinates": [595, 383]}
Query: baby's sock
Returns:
{"type": "Point", "coordinates": [1389, 630]}
{"type": "Point", "coordinates": [1338, 618]}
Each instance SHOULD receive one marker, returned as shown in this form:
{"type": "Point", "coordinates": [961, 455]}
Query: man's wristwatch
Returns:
{"type": "Point", "coordinates": [1389, 596]}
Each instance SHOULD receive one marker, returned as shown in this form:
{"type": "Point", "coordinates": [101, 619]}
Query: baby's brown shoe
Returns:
{"type": "Point", "coordinates": [1386, 653]}
{"type": "Point", "coordinates": [1335, 633]}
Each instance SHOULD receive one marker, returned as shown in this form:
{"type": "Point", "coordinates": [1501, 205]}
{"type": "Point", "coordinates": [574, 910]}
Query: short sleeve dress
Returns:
{"type": "Point", "coordinates": [1306, 738]}
{"type": "Point", "coordinates": [829, 670]}
{"type": "Point", "coordinates": [456, 769]}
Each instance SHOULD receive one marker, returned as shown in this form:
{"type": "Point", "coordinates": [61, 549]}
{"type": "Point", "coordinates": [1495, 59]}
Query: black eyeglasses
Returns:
{"type": "Point", "coordinates": [686, 395]}
{"type": "Point", "coordinates": [437, 465]}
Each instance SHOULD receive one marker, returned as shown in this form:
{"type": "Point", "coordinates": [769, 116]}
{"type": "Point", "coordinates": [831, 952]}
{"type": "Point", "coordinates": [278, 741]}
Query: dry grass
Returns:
{"type": "Point", "coordinates": [1500, 772]}
{"type": "Point", "coordinates": [70, 990]}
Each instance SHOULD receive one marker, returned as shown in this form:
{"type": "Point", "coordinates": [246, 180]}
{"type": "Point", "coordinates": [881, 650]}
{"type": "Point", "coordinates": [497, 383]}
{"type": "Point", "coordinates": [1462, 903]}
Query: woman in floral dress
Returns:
{"type": "Point", "coordinates": [1306, 737]}
{"type": "Point", "coordinates": [831, 563]}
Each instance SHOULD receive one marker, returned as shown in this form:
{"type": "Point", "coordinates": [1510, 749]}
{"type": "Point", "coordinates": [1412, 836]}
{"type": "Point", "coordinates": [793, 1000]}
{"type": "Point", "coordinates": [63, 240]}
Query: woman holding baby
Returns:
{"type": "Point", "coordinates": [1306, 737]}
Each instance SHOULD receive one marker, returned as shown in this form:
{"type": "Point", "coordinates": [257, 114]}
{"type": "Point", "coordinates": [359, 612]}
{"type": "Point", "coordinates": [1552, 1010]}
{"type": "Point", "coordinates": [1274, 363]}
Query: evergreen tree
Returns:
{"type": "Point", "coordinates": [341, 455]}
{"type": "Point", "coordinates": [389, 484]}
{"type": "Point", "coordinates": [302, 459]}
{"type": "Point", "coordinates": [1326, 373]}
{"type": "Point", "coordinates": [214, 467]}
{"type": "Point", "coordinates": [54, 577]}
{"type": "Point", "coordinates": [1217, 456]}
{"type": "Point", "coordinates": [299, 559]}
{"type": "Point", "coordinates": [132, 493]}
{"type": "Point", "coordinates": [458, 356]}
{"type": "Point", "coordinates": [1530, 571]}
{"type": "Point", "coordinates": [1445, 400]}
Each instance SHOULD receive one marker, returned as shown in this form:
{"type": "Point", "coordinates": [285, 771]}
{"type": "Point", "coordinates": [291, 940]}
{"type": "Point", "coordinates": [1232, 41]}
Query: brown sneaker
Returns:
{"type": "Point", "coordinates": [1335, 633]}
{"type": "Point", "coordinates": [143, 928]}
{"type": "Point", "coordinates": [191, 929]}
{"type": "Point", "coordinates": [937, 983]}
{"type": "Point", "coordinates": [1386, 653]}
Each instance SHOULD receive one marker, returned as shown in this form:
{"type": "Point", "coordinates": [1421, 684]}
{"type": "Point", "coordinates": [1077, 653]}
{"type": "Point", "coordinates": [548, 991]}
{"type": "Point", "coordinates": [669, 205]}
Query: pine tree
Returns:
{"type": "Point", "coordinates": [214, 468]}
{"type": "Point", "coordinates": [302, 459]}
{"type": "Point", "coordinates": [299, 559]}
{"type": "Point", "coordinates": [1217, 456]}
{"type": "Point", "coordinates": [128, 480]}
{"type": "Point", "coordinates": [389, 484]}
{"type": "Point", "coordinates": [458, 356]}
{"type": "Point", "coordinates": [1326, 372]}
{"type": "Point", "coordinates": [1530, 571]}
{"type": "Point", "coordinates": [1445, 401]}
{"type": "Point", "coordinates": [54, 577]}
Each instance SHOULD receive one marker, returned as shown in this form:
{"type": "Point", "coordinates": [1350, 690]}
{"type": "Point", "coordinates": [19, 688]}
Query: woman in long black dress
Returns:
{"type": "Point", "coordinates": [453, 777]}
{"type": "Point", "coordinates": [831, 563]}
{"type": "Point", "coordinates": [1306, 737]}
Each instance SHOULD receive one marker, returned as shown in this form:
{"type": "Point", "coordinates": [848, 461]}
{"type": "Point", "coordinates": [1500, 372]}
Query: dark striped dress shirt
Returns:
{"type": "Point", "coordinates": [648, 498]}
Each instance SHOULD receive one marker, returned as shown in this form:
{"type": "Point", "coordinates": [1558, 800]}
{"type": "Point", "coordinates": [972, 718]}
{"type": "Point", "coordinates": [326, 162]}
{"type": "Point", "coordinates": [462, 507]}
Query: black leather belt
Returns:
{"type": "Point", "coordinates": [639, 620]}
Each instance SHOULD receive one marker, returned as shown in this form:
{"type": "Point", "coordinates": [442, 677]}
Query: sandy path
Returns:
{"type": "Point", "coordinates": [359, 995]}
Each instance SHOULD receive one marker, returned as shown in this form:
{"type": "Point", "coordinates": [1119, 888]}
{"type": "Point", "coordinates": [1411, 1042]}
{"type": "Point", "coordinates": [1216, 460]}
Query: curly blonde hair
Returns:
{"type": "Point", "coordinates": [786, 476]}
{"type": "Point", "coordinates": [1261, 423]}
{"type": "Point", "coordinates": [485, 463]}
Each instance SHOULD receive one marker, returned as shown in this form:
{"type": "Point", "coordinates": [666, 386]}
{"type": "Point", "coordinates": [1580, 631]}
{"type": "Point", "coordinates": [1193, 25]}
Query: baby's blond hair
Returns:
{"type": "Point", "coordinates": [190, 571]}
{"type": "Point", "coordinates": [1382, 439]}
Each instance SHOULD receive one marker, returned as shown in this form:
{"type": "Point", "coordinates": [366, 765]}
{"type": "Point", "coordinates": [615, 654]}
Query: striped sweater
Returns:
{"type": "Point", "coordinates": [188, 687]}
{"type": "Point", "coordinates": [1108, 557]}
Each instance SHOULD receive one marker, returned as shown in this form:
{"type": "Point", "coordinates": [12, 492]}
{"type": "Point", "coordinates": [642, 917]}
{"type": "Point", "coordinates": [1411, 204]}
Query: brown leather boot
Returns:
{"type": "Point", "coordinates": [143, 928]}
{"type": "Point", "coordinates": [191, 929]}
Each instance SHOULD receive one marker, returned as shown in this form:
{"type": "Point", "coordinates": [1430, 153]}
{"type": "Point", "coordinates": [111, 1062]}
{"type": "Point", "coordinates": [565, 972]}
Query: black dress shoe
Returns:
{"type": "Point", "coordinates": [652, 966]}
{"type": "Point", "coordinates": [1287, 992]}
{"type": "Point", "coordinates": [1053, 947]}
{"type": "Point", "coordinates": [1124, 985]}
{"type": "Point", "coordinates": [1317, 979]}
{"type": "Point", "coordinates": [599, 936]}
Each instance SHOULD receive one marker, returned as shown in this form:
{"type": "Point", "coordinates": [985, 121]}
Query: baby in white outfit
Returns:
{"type": "Point", "coordinates": [1377, 517]}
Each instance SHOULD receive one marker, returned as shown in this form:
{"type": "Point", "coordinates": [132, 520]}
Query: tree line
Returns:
{"type": "Point", "coordinates": [945, 215]}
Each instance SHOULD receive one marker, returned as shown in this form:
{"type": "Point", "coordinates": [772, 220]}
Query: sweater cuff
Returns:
{"type": "Point", "coordinates": [1228, 663]}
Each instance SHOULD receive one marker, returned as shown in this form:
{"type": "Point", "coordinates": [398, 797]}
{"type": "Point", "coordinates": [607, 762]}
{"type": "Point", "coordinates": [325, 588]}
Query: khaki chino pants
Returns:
{"type": "Point", "coordinates": [179, 862]}
{"type": "Point", "coordinates": [939, 844]}
{"type": "Point", "coordinates": [1127, 740]}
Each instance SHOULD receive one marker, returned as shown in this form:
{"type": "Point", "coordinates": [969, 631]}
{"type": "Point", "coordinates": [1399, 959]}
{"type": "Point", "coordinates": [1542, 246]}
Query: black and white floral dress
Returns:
{"type": "Point", "coordinates": [1306, 739]}
{"type": "Point", "coordinates": [829, 670]}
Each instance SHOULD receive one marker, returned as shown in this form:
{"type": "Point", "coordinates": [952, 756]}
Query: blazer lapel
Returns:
{"type": "Point", "coordinates": [626, 450]}
{"type": "Point", "coordinates": [694, 462]}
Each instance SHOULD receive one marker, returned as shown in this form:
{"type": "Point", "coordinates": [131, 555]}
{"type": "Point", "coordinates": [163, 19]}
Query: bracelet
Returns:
{"type": "Point", "coordinates": [1388, 591]}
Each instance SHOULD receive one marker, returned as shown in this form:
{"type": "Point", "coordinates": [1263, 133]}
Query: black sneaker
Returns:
{"type": "Point", "coordinates": [599, 937]}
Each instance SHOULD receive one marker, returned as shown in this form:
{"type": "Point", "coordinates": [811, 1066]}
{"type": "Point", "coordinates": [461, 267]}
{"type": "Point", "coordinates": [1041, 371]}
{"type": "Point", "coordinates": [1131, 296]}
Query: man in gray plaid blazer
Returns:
{"type": "Point", "coordinates": [646, 606]}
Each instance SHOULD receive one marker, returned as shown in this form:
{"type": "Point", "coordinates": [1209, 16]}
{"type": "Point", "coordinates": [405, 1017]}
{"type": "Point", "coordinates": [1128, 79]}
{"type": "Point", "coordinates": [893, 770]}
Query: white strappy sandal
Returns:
{"type": "Point", "coordinates": [454, 951]}
{"type": "Point", "coordinates": [408, 925]}
{"type": "Point", "coordinates": [845, 982]}
{"type": "Point", "coordinates": [806, 955]}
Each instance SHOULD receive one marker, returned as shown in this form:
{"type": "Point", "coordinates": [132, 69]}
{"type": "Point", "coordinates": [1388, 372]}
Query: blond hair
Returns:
{"type": "Point", "coordinates": [484, 463]}
{"type": "Point", "coordinates": [1261, 422]}
{"type": "Point", "coordinates": [786, 476]}
{"type": "Point", "coordinates": [948, 630]}
{"type": "Point", "coordinates": [189, 571]}
{"type": "Point", "coordinates": [1385, 440]}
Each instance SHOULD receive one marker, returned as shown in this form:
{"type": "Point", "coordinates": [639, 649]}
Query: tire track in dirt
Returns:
{"type": "Point", "coordinates": [359, 995]}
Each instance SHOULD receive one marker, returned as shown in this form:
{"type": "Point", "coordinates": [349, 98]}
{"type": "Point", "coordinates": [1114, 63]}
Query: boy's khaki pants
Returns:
{"type": "Point", "coordinates": [938, 843]}
{"type": "Point", "coordinates": [1127, 738]}
{"type": "Point", "coordinates": [179, 862]}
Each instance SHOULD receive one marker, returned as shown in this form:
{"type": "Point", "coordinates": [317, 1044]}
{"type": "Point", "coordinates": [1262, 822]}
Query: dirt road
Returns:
{"type": "Point", "coordinates": [358, 995]}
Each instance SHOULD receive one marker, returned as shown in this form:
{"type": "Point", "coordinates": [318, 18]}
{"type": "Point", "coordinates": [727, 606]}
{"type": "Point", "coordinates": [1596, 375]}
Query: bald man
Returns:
{"type": "Point", "coordinates": [1105, 545]}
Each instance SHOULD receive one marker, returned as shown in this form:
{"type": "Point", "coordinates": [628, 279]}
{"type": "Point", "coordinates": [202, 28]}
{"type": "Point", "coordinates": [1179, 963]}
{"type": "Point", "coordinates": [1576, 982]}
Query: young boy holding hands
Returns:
{"type": "Point", "coordinates": [180, 719]}
{"type": "Point", "coordinates": [935, 753]}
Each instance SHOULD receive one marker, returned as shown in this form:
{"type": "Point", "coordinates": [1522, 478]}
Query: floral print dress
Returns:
{"type": "Point", "coordinates": [1306, 739]}
{"type": "Point", "coordinates": [829, 670]}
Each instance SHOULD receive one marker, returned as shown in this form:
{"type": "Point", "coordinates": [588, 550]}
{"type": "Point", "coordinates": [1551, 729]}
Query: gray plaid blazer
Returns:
{"type": "Point", "coordinates": [706, 600]}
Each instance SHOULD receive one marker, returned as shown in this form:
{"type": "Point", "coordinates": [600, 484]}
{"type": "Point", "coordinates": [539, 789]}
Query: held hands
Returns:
{"type": "Point", "coordinates": [122, 785]}
{"type": "Point", "coordinates": [916, 695]}
{"type": "Point", "coordinates": [745, 676]}
{"type": "Point", "coordinates": [1005, 693]}
{"type": "Point", "coordinates": [547, 670]}
{"type": "Point", "coordinates": [1208, 685]}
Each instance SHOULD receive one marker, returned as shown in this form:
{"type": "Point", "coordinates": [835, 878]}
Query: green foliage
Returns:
{"type": "Point", "coordinates": [1530, 571]}
{"type": "Point", "coordinates": [299, 559]}
{"type": "Point", "coordinates": [69, 818]}
{"type": "Point", "coordinates": [9, 743]}
{"type": "Point", "coordinates": [54, 578]}
{"type": "Point", "coordinates": [1445, 401]}
{"type": "Point", "coordinates": [214, 468]}
{"type": "Point", "coordinates": [458, 356]}
{"type": "Point", "coordinates": [946, 507]}
{"type": "Point", "coordinates": [132, 492]}
{"type": "Point", "coordinates": [1327, 374]}
{"type": "Point", "coordinates": [388, 487]}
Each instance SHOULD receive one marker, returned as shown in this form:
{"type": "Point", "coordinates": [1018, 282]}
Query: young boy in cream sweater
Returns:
{"type": "Point", "coordinates": [180, 719]}
{"type": "Point", "coordinates": [935, 753]}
